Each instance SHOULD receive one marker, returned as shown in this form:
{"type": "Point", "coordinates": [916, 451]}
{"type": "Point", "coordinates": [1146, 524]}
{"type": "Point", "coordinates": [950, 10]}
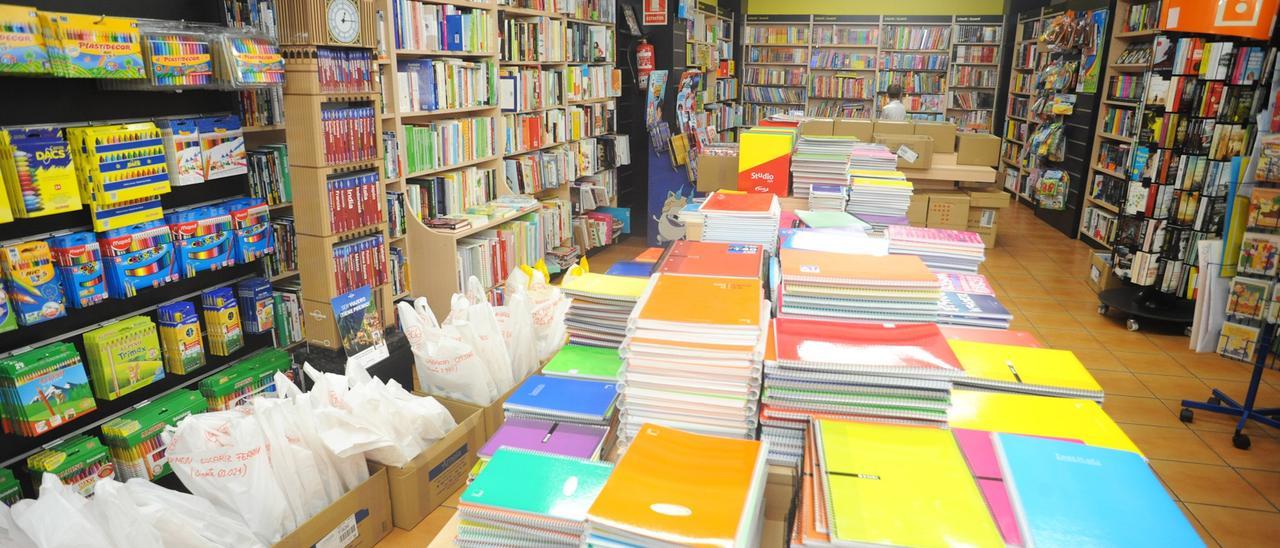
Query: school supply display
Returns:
{"type": "Point", "coordinates": [222, 151]}
{"type": "Point", "coordinates": [39, 174]}
{"type": "Point", "coordinates": [31, 281]}
{"type": "Point", "coordinates": [251, 219]}
{"type": "Point", "coordinates": [134, 439]}
{"type": "Point", "coordinates": [92, 46]}
{"type": "Point", "coordinates": [576, 361]}
{"type": "Point", "coordinates": [203, 239]}
{"type": "Point", "coordinates": [248, 61]}
{"type": "Point", "coordinates": [122, 169]}
{"type": "Point", "coordinates": [22, 49]}
{"type": "Point", "coordinates": [543, 436]}
{"type": "Point", "coordinates": [78, 461]}
{"type": "Point", "coordinates": [943, 250]}
{"type": "Point", "coordinates": [256, 303]}
{"type": "Point", "coordinates": [889, 288]}
{"type": "Point", "coordinates": [43, 389]}
{"type": "Point", "coordinates": [601, 305]}
{"type": "Point", "coordinates": [176, 59]}
{"type": "Point", "coordinates": [505, 504]}
{"type": "Point", "coordinates": [222, 321]}
{"type": "Point", "coordinates": [253, 375]}
{"type": "Point", "coordinates": [138, 257]}
{"type": "Point", "coordinates": [123, 357]}
{"type": "Point", "coordinates": [733, 217]}
{"type": "Point", "coordinates": [563, 400]}
{"type": "Point", "coordinates": [764, 157]}
{"type": "Point", "coordinates": [180, 339]}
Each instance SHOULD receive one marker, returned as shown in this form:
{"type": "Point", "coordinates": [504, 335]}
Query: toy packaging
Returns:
{"type": "Point", "coordinates": [252, 220]}
{"type": "Point", "coordinates": [123, 357]}
{"type": "Point", "coordinates": [137, 257]}
{"type": "Point", "coordinates": [134, 438]}
{"type": "Point", "coordinates": [182, 145]}
{"type": "Point", "coordinates": [250, 377]}
{"type": "Point", "coordinates": [203, 239]}
{"type": "Point", "coordinates": [79, 461]}
{"type": "Point", "coordinates": [222, 147]}
{"type": "Point", "coordinates": [180, 337]}
{"type": "Point", "coordinates": [35, 293]}
{"type": "Point", "coordinates": [222, 321]}
{"type": "Point", "coordinates": [22, 48]}
{"type": "Point", "coordinates": [92, 46]}
{"type": "Point", "coordinates": [39, 172]}
{"type": "Point", "coordinates": [79, 263]}
{"type": "Point", "coordinates": [43, 388]}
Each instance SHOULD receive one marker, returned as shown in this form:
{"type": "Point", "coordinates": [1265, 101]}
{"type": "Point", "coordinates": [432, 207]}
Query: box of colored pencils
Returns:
{"type": "Point", "coordinates": [177, 59]}
{"type": "Point", "coordinates": [222, 321]}
{"type": "Point", "coordinates": [39, 172]}
{"type": "Point", "coordinates": [43, 388]}
{"type": "Point", "coordinates": [251, 376]}
{"type": "Point", "coordinates": [79, 262]}
{"type": "Point", "coordinates": [180, 339]}
{"type": "Point", "coordinates": [92, 46]}
{"type": "Point", "coordinates": [123, 357]}
{"type": "Point", "coordinates": [256, 305]}
{"type": "Point", "coordinates": [22, 48]}
{"type": "Point", "coordinates": [222, 147]}
{"type": "Point", "coordinates": [79, 461]}
{"type": "Point", "coordinates": [35, 292]}
{"type": "Point", "coordinates": [137, 257]}
{"type": "Point", "coordinates": [119, 163]}
{"type": "Point", "coordinates": [252, 220]}
{"type": "Point", "coordinates": [182, 148]}
{"type": "Point", "coordinates": [134, 438]}
{"type": "Point", "coordinates": [203, 239]}
{"type": "Point", "coordinates": [10, 489]}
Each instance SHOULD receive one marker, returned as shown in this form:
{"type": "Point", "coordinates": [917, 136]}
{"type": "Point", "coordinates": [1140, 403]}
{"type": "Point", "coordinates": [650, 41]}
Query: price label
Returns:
{"type": "Point", "coordinates": [342, 535]}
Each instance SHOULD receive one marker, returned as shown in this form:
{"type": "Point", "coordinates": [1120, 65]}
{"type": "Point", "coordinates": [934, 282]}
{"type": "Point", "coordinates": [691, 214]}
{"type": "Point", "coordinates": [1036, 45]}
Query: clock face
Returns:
{"type": "Point", "coordinates": [344, 21]}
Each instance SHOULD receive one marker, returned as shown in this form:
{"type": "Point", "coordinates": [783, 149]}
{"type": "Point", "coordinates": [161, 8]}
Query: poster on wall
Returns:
{"type": "Point", "coordinates": [1247, 18]}
{"type": "Point", "coordinates": [655, 13]}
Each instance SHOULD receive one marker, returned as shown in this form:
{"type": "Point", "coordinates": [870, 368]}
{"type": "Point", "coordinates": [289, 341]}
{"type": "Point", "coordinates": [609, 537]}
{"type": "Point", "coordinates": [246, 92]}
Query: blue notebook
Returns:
{"type": "Point", "coordinates": [631, 268]}
{"type": "Point", "coordinates": [1069, 494]}
{"type": "Point", "coordinates": [557, 398]}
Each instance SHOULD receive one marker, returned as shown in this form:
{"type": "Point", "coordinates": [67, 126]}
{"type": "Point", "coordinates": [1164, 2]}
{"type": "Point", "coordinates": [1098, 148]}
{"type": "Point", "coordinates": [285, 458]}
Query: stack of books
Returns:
{"type": "Point", "coordinates": [875, 192]}
{"type": "Point", "coordinates": [968, 300]}
{"type": "Point", "coordinates": [524, 498]}
{"type": "Point", "coordinates": [820, 160]}
{"type": "Point", "coordinates": [693, 356]}
{"type": "Point", "coordinates": [690, 258]}
{"type": "Point", "coordinates": [584, 362]}
{"type": "Point", "coordinates": [741, 218]}
{"type": "Point", "coordinates": [559, 399]}
{"type": "Point", "coordinates": [557, 438]}
{"type": "Point", "coordinates": [601, 304]}
{"type": "Point", "coordinates": [873, 157]}
{"type": "Point", "coordinates": [828, 197]}
{"type": "Point", "coordinates": [874, 372]}
{"type": "Point", "coordinates": [1024, 370]}
{"type": "Point", "coordinates": [890, 288]}
{"type": "Point", "coordinates": [942, 249]}
{"type": "Point", "coordinates": [674, 488]}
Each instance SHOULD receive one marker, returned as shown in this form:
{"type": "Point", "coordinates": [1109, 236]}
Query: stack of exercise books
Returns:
{"type": "Point", "coordinates": [872, 156]}
{"type": "Point", "coordinates": [576, 361]}
{"type": "Point", "coordinates": [526, 498]}
{"type": "Point", "coordinates": [600, 307]}
{"type": "Point", "coordinates": [828, 197]}
{"type": "Point", "coordinates": [878, 192]}
{"type": "Point", "coordinates": [560, 399]}
{"type": "Point", "coordinates": [875, 372]}
{"type": "Point", "coordinates": [558, 438]}
{"type": "Point", "coordinates": [1024, 370]}
{"type": "Point", "coordinates": [849, 241]}
{"type": "Point", "coordinates": [741, 218]}
{"type": "Point", "coordinates": [968, 300]}
{"type": "Point", "coordinates": [690, 258]}
{"type": "Point", "coordinates": [675, 488]}
{"type": "Point", "coordinates": [890, 288]}
{"type": "Point", "coordinates": [944, 250]}
{"type": "Point", "coordinates": [820, 159]}
{"type": "Point", "coordinates": [880, 223]}
{"type": "Point", "coordinates": [693, 356]}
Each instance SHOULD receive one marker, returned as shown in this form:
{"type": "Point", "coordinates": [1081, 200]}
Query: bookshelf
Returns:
{"type": "Point", "coordinates": [1020, 121]}
{"type": "Point", "coordinates": [974, 72]}
{"type": "Point", "coordinates": [709, 47]}
{"type": "Point", "coordinates": [843, 62]}
{"type": "Point", "coordinates": [775, 51]}
{"type": "Point", "coordinates": [915, 53]}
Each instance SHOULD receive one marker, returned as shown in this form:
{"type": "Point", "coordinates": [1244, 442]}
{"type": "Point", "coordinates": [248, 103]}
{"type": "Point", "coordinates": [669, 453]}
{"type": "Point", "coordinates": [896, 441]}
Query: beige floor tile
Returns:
{"type": "Point", "coordinates": [1159, 364]}
{"type": "Point", "coordinates": [1233, 527]}
{"type": "Point", "coordinates": [1121, 383]}
{"type": "Point", "coordinates": [1209, 484]}
{"type": "Point", "coordinates": [1171, 387]}
{"type": "Point", "coordinates": [1206, 422]}
{"type": "Point", "coordinates": [1204, 533]}
{"type": "Point", "coordinates": [1263, 454]}
{"type": "Point", "coordinates": [1210, 367]}
{"type": "Point", "coordinates": [1138, 410]}
{"type": "Point", "coordinates": [1099, 360]}
{"type": "Point", "coordinates": [1267, 483]}
{"type": "Point", "coordinates": [1127, 341]}
{"type": "Point", "coordinates": [1178, 443]}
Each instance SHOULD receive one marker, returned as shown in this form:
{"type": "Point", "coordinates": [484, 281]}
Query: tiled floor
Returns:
{"type": "Point", "coordinates": [1231, 496]}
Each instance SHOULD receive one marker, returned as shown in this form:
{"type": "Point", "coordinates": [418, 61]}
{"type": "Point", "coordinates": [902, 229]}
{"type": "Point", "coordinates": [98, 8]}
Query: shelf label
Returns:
{"type": "Point", "coordinates": [907, 154]}
{"type": "Point", "coordinates": [846, 19]}
{"type": "Point", "coordinates": [777, 18]}
{"type": "Point", "coordinates": [979, 18]}
{"type": "Point", "coordinates": [917, 19]}
{"type": "Point", "coordinates": [707, 7]}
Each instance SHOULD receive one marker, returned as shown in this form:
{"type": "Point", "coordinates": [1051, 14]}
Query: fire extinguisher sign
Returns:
{"type": "Point", "coordinates": [655, 12]}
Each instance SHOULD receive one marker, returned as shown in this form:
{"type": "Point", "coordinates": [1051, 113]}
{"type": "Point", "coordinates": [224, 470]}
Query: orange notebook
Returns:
{"type": "Point", "coordinates": [684, 488]}
{"type": "Point", "coordinates": [651, 255]}
{"type": "Point", "coordinates": [713, 259]}
{"type": "Point", "coordinates": [703, 300]}
{"type": "Point", "coordinates": [909, 271]}
{"type": "Point", "coordinates": [738, 202]}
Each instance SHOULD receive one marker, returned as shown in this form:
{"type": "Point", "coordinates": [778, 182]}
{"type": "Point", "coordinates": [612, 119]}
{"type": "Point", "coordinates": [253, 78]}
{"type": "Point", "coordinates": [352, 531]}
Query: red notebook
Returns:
{"type": "Point", "coordinates": [915, 346]}
{"type": "Point", "coordinates": [998, 336]}
{"type": "Point", "coordinates": [739, 202]}
{"type": "Point", "coordinates": [713, 259]}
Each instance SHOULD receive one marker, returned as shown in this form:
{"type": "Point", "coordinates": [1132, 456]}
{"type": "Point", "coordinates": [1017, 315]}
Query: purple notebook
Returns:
{"type": "Point", "coordinates": [557, 438]}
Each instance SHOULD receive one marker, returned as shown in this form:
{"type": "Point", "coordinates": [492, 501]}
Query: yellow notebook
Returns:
{"type": "Point", "coordinates": [901, 486]}
{"type": "Point", "coordinates": [1024, 365]}
{"type": "Point", "coordinates": [1044, 416]}
{"type": "Point", "coordinates": [590, 283]}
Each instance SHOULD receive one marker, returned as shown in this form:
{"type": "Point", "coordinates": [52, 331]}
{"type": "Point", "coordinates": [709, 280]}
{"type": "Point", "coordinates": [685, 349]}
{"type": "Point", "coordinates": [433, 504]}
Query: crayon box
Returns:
{"type": "Point", "coordinates": [22, 48]}
{"type": "Point", "coordinates": [92, 46]}
{"type": "Point", "coordinates": [39, 172]}
{"type": "Point", "coordinates": [35, 293]}
{"type": "Point", "coordinates": [79, 263]}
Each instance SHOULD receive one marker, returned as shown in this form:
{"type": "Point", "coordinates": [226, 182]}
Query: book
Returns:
{"type": "Point", "coordinates": [558, 438]}
{"type": "Point", "coordinates": [584, 362]}
{"type": "Point", "coordinates": [640, 269]}
{"type": "Point", "coordinates": [706, 300]}
{"type": "Point", "coordinates": [998, 336]}
{"type": "Point", "coordinates": [566, 399]}
{"type": "Point", "coordinates": [712, 259]}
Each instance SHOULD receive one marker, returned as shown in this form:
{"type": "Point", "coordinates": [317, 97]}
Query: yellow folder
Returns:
{"type": "Point", "coordinates": [1067, 418]}
{"type": "Point", "coordinates": [605, 285]}
{"type": "Point", "coordinates": [1024, 365]}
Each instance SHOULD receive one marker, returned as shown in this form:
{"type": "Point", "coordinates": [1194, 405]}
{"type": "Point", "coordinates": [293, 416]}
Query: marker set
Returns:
{"type": "Point", "coordinates": [43, 388]}
{"type": "Point", "coordinates": [30, 279]}
{"type": "Point", "coordinates": [78, 259]}
{"type": "Point", "coordinates": [241, 382]}
{"type": "Point", "coordinates": [249, 61]}
{"type": "Point", "coordinates": [123, 357]}
{"type": "Point", "coordinates": [39, 176]}
{"type": "Point", "coordinates": [257, 306]}
{"type": "Point", "coordinates": [134, 439]}
{"type": "Point", "coordinates": [179, 328]}
{"type": "Point", "coordinates": [79, 461]}
{"type": "Point", "coordinates": [222, 320]}
{"type": "Point", "coordinates": [92, 46]}
{"type": "Point", "coordinates": [203, 239]}
{"type": "Point", "coordinates": [178, 59]}
{"type": "Point", "coordinates": [22, 48]}
{"type": "Point", "coordinates": [222, 147]}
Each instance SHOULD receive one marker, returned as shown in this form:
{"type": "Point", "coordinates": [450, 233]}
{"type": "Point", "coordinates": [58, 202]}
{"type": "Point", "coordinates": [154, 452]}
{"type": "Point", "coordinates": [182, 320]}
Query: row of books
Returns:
{"type": "Point", "coordinates": [284, 254]}
{"type": "Point", "coordinates": [533, 39]}
{"type": "Point", "coordinates": [441, 84]}
{"type": "Point", "coordinates": [446, 143]}
{"type": "Point", "coordinates": [974, 120]}
{"type": "Point", "coordinates": [829, 59]}
{"type": "Point", "coordinates": [973, 99]}
{"type": "Point", "coordinates": [914, 61]}
{"type": "Point", "coordinates": [913, 82]}
{"type": "Point", "coordinates": [977, 54]}
{"type": "Point", "coordinates": [586, 82]}
{"type": "Point", "coordinates": [971, 76]}
{"type": "Point", "coordinates": [524, 89]}
{"type": "Point", "coordinates": [773, 95]}
{"type": "Point", "coordinates": [977, 34]}
{"type": "Point", "coordinates": [846, 36]}
{"type": "Point", "coordinates": [450, 194]}
{"type": "Point", "coordinates": [262, 107]}
{"type": "Point", "coordinates": [491, 254]}
{"type": "Point", "coordinates": [269, 174]}
{"type": "Point", "coordinates": [1118, 121]}
{"type": "Point", "coordinates": [773, 76]}
{"type": "Point", "coordinates": [591, 120]}
{"type": "Point", "coordinates": [353, 201]}
{"type": "Point", "coordinates": [534, 130]}
{"type": "Point", "coordinates": [397, 214]}
{"type": "Point", "coordinates": [595, 229]}
{"type": "Point", "coordinates": [786, 56]}
{"type": "Point", "coordinates": [781, 34]}
{"type": "Point", "coordinates": [1099, 224]}
{"type": "Point", "coordinates": [916, 37]}
{"type": "Point", "coordinates": [820, 160]}
{"type": "Point", "coordinates": [588, 43]}
{"type": "Point", "coordinates": [350, 134]}
{"type": "Point", "coordinates": [437, 27]}
{"type": "Point", "coordinates": [1135, 54]}
{"type": "Point", "coordinates": [359, 262]}
{"type": "Point", "coordinates": [840, 87]}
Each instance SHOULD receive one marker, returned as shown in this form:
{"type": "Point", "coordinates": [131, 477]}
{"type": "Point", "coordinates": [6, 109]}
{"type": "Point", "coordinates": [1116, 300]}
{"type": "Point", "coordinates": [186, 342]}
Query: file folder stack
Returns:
{"type": "Point", "coordinates": [820, 160]}
{"type": "Point", "coordinates": [879, 192]}
{"type": "Point", "coordinates": [942, 249]}
{"type": "Point", "coordinates": [600, 307]}
{"type": "Point", "coordinates": [741, 218]}
{"type": "Point", "coordinates": [693, 356]}
{"type": "Point", "coordinates": [890, 288]}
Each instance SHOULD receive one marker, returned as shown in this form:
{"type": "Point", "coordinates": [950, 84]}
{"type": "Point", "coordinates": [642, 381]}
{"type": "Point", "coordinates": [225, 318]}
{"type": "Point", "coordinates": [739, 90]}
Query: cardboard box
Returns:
{"type": "Point", "coordinates": [918, 210]}
{"type": "Point", "coordinates": [492, 413]}
{"type": "Point", "coordinates": [943, 133]}
{"type": "Point", "coordinates": [981, 217]}
{"type": "Point", "coordinates": [914, 151]}
{"type": "Point", "coordinates": [989, 198]}
{"type": "Point", "coordinates": [717, 172]}
{"type": "Point", "coordinates": [977, 149]}
{"type": "Point", "coordinates": [358, 519]}
{"type": "Point", "coordinates": [864, 130]}
{"type": "Point", "coordinates": [427, 481]}
{"type": "Point", "coordinates": [817, 126]}
{"type": "Point", "coordinates": [896, 128]}
{"type": "Point", "coordinates": [988, 235]}
{"type": "Point", "coordinates": [779, 500]}
{"type": "Point", "coordinates": [1101, 277]}
{"type": "Point", "coordinates": [948, 210]}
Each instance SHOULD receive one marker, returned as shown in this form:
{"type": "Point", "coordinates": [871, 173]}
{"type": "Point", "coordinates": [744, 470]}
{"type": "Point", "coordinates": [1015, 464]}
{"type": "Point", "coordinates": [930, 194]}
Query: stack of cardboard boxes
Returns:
{"type": "Point", "coordinates": [971, 210]}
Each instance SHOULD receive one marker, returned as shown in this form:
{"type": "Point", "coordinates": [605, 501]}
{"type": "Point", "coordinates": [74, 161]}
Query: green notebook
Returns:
{"type": "Point", "coordinates": [562, 488]}
{"type": "Point", "coordinates": [585, 362]}
{"type": "Point", "coordinates": [830, 219]}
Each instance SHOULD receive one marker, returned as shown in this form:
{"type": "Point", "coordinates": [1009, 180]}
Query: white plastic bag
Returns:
{"type": "Point", "coordinates": [10, 533]}
{"type": "Point", "coordinates": [58, 518]}
{"type": "Point", "coordinates": [344, 473]}
{"type": "Point", "coordinates": [547, 308]}
{"type": "Point", "coordinates": [473, 317]}
{"type": "Point", "coordinates": [445, 365]}
{"type": "Point", "coordinates": [516, 323]}
{"type": "Point", "coordinates": [123, 522]}
{"type": "Point", "coordinates": [293, 461]}
{"type": "Point", "coordinates": [188, 521]}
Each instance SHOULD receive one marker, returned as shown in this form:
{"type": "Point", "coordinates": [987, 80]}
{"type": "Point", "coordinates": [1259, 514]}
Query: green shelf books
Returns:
{"type": "Point", "coordinates": [123, 357]}
{"type": "Point", "coordinates": [43, 388]}
{"type": "Point", "coordinates": [79, 461]}
{"type": "Point", "coordinates": [134, 439]}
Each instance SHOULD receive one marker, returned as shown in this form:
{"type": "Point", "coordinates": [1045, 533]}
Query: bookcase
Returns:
{"type": "Point", "coordinates": [842, 68]}
{"type": "Point", "coordinates": [1019, 121]}
{"type": "Point", "coordinates": [775, 58]}
{"type": "Point", "coordinates": [709, 47]}
{"type": "Point", "coordinates": [974, 72]}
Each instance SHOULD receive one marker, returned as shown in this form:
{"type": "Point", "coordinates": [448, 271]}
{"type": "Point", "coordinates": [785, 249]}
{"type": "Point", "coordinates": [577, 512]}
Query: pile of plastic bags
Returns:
{"type": "Point", "coordinates": [135, 514]}
{"type": "Point", "coordinates": [480, 351]}
{"type": "Point", "coordinates": [280, 460]}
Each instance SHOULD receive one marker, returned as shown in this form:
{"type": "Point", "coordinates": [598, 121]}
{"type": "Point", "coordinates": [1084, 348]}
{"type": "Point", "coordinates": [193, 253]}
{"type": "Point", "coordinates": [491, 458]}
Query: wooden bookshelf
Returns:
{"type": "Point", "coordinates": [1020, 121]}
{"type": "Point", "coordinates": [972, 85]}
{"type": "Point", "coordinates": [709, 47]}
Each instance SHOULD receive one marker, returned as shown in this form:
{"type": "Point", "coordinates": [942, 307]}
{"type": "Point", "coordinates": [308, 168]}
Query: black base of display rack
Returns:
{"type": "Point", "coordinates": [1146, 303]}
{"type": "Point", "coordinates": [1223, 404]}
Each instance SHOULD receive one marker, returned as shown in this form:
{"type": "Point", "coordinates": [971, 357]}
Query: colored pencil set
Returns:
{"type": "Point", "coordinates": [92, 46]}
{"type": "Point", "coordinates": [202, 239]}
{"type": "Point", "coordinates": [22, 48]}
{"type": "Point", "coordinates": [39, 175]}
{"type": "Point", "coordinates": [182, 149]}
{"type": "Point", "coordinates": [350, 134]}
{"type": "Point", "coordinates": [31, 281]}
{"type": "Point", "coordinates": [134, 439]}
{"type": "Point", "coordinates": [247, 61]}
{"type": "Point", "coordinates": [10, 489]}
{"type": "Point", "coordinates": [123, 357]}
{"type": "Point", "coordinates": [354, 201]}
{"type": "Point", "coordinates": [222, 147]}
{"type": "Point", "coordinates": [222, 320]}
{"type": "Point", "coordinates": [180, 340]}
{"type": "Point", "coordinates": [360, 262]}
{"type": "Point", "coordinates": [42, 389]}
{"type": "Point", "coordinates": [252, 221]}
{"type": "Point", "coordinates": [178, 59]}
{"type": "Point", "coordinates": [344, 70]}
{"type": "Point", "coordinates": [138, 257]}
{"type": "Point", "coordinates": [78, 259]}
{"type": "Point", "coordinates": [257, 308]}
{"type": "Point", "coordinates": [79, 461]}
{"type": "Point", "coordinates": [251, 376]}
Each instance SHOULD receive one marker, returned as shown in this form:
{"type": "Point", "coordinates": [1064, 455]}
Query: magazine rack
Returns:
{"type": "Point", "coordinates": [1264, 354]}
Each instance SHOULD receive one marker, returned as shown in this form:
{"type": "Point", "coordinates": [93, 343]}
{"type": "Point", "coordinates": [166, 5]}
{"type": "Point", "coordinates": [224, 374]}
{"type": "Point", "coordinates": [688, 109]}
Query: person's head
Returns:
{"type": "Point", "coordinates": [895, 91]}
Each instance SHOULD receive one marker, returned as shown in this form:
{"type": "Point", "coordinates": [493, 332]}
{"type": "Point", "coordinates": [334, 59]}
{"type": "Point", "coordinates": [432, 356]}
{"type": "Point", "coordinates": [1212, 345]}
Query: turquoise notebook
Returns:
{"type": "Point", "coordinates": [538, 484]}
{"type": "Point", "coordinates": [1070, 495]}
{"type": "Point", "coordinates": [585, 362]}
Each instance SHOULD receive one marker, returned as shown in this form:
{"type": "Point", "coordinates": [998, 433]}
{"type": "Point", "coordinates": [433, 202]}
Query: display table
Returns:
{"type": "Point", "coordinates": [945, 170]}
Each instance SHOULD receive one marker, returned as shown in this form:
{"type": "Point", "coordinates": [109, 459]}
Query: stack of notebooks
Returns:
{"type": "Point", "coordinates": [673, 488]}
{"type": "Point", "coordinates": [689, 258]}
{"type": "Point", "coordinates": [1024, 370]}
{"type": "Point", "coordinates": [560, 399]}
{"type": "Point", "coordinates": [820, 159]}
{"type": "Point", "coordinates": [525, 498]}
{"type": "Point", "coordinates": [600, 307]}
{"type": "Point", "coordinates": [968, 300]}
{"type": "Point", "coordinates": [942, 249]}
{"type": "Point", "coordinates": [693, 356]}
{"type": "Point", "coordinates": [557, 438]}
{"type": "Point", "coordinates": [584, 362]}
{"type": "Point", "coordinates": [881, 223]}
{"type": "Point", "coordinates": [828, 197]}
{"type": "Point", "coordinates": [877, 192]}
{"type": "Point", "coordinates": [871, 372]}
{"type": "Point", "coordinates": [732, 217]}
{"type": "Point", "coordinates": [890, 288]}
{"type": "Point", "coordinates": [872, 156]}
